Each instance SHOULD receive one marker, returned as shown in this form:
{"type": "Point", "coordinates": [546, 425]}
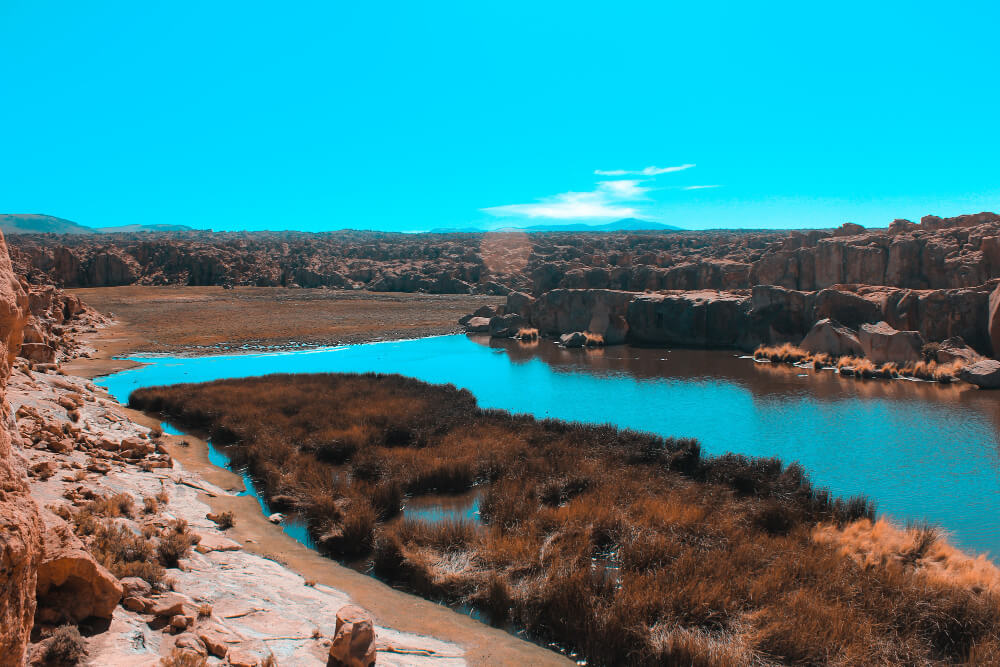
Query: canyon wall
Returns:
{"type": "Point", "coordinates": [20, 526]}
{"type": "Point", "coordinates": [766, 314]}
{"type": "Point", "coordinates": [937, 253]}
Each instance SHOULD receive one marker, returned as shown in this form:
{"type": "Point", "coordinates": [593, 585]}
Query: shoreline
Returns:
{"type": "Point", "coordinates": [483, 644]}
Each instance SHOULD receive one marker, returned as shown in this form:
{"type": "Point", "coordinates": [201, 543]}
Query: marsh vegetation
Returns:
{"type": "Point", "coordinates": [625, 546]}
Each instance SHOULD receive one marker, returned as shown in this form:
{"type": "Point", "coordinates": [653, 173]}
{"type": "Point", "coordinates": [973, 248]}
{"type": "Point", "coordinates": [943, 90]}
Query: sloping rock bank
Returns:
{"type": "Point", "coordinates": [745, 319]}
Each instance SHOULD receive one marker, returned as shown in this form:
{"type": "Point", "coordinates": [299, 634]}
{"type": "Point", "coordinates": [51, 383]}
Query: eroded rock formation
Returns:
{"type": "Point", "coordinates": [938, 253]}
{"type": "Point", "coordinates": [20, 526]}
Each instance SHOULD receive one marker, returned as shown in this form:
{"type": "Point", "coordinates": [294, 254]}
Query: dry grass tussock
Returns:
{"type": "Point", "coordinates": [860, 366]}
{"type": "Point", "coordinates": [627, 547]}
{"type": "Point", "coordinates": [878, 543]}
{"type": "Point", "coordinates": [527, 335]}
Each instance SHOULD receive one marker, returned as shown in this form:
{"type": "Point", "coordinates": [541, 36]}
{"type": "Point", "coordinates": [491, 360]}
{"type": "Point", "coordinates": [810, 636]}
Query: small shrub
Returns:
{"type": "Point", "coordinates": [67, 647]}
{"type": "Point", "coordinates": [205, 611]}
{"type": "Point", "coordinates": [929, 351]}
{"type": "Point", "coordinates": [150, 506]}
{"type": "Point", "coordinates": [182, 658]}
{"type": "Point", "coordinates": [175, 543]}
{"type": "Point", "coordinates": [225, 520]}
{"type": "Point", "coordinates": [162, 496]}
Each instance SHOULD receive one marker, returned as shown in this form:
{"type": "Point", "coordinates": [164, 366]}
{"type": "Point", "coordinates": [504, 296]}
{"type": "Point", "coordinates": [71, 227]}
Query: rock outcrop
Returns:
{"type": "Point", "coordinates": [72, 586]}
{"type": "Point", "coordinates": [20, 525]}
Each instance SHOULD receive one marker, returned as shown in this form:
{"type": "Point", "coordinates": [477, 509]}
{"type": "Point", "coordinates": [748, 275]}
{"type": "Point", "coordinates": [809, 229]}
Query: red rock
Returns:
{"type": "Point", "coordinates": [354, 641]}
{"type": "Point", "coordinates": [71, 585]}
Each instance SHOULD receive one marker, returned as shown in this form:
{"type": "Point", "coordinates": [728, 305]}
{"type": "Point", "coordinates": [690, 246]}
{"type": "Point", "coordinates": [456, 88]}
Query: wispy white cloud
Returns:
{"type": "Point", "coordinates": [700, 187]}
{"type": "Point", "coordinates": [568, 205]}
{"type": "Point", "coordinates": [648, 171]}
{"type": "Point", "coordinates": [613, 199]}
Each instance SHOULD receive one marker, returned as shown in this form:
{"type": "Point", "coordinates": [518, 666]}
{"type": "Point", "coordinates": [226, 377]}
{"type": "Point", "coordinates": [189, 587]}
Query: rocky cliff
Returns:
{"type": "Point", "coordinates": [767, 314]}
{"type": "Point", "coordinates": [937, 253]}
{"type": "Point", "coordinates": [20, 526]}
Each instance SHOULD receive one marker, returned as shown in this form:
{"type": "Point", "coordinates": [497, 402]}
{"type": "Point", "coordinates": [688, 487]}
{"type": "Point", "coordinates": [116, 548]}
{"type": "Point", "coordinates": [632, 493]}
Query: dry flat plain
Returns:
{"type": "Point", "coordinates": [186, 319]}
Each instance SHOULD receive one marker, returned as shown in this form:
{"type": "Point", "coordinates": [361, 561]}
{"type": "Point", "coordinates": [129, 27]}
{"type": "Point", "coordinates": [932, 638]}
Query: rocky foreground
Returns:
{"type": "Point", "coordinates": [104, 533]}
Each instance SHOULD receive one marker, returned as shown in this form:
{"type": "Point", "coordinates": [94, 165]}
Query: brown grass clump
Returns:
{"type": "Point", "coordinates": [124, 553]}
{"type": "Point", "coordinates": [627, 547]}
{"type": "Point", "coordinates": [527, 335]}
{"type": "Point", "coordinates": [66, 648]}
{"type": "Point", "coordinates": [150, 506]}
{"type": "Point", "coordinates": [784, 354]}
{"type": "Point", "coordinates": [224, 520]}
{"type": "Point", "coordinates": [920, 547]}
{"type": "Point", "coordinates": [593, 339]}
{"type": "Point", "coordinates": [183, 658]}
{"type": "Point", "coordinates": [175, 543]}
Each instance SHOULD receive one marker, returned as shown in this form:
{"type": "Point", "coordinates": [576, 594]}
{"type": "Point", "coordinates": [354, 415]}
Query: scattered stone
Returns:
{"type": "Point", "coordinates": [168, 605]}
{"type": "Point", "coordinates": [190, 642]}
{"type": "Point", "coordinates": [276, 518]}
{"type": "Point", "coordinates": [354, 641]}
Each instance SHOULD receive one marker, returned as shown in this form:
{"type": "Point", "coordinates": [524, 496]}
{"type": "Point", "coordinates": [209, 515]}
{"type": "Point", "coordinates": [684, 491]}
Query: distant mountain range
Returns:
{"type": "Point", "coordinates": [623, 225]}
{"type": "Point", "coordinates": [31, 223]}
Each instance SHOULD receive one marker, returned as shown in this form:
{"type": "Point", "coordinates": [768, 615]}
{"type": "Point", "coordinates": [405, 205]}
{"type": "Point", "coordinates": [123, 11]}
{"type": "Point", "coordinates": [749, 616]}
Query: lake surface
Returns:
{"type": "Point", "coordinates": [922, 451]}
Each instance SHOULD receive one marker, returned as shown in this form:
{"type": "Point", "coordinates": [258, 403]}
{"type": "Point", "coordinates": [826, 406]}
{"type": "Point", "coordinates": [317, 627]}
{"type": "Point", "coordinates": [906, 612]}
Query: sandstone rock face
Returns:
{"type": "Point", "coordinates": [830, 337]}
{"type": "Point", "coordinates": [984, 374]}
{"type": "Point", "coordinates": [880, 343]}
{"type": "Point", "coordinates": [600, 312]}
{"type": "Point", "coordinates": [354, 641]}
{"type": "Point", "coordinates": [709, 319]}
{"type": "Point", "coordinates": [20, 525]}
{"type": "Point", "coordinates": [994, 321]}
{"type": "Point", "coordinates": [71, 585]}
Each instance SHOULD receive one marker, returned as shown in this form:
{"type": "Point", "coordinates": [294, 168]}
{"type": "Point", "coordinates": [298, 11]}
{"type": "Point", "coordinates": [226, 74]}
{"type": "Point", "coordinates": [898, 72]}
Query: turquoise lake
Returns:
{"type": "Point", "coordinates": [922, 451]}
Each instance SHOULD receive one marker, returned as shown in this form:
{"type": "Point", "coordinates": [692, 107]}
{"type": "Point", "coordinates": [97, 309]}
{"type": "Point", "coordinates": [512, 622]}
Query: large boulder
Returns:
{"type": "Point", "coordinates": [831, 337]}
{"type": "Point", "coordinates": [354, 639]}
{"type": "Point", "coordinates": [984, 374]}
{"type": "Point", "coordinates": [71, 585]}
{"type": "Point", "coordinates": [477, 325]}
{"type": "Point", "coordinates": [955, 349]}
{"type": "Point", "coordinates": [880, 342]}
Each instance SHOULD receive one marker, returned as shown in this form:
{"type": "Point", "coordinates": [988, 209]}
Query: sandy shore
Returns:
{"type": "Point", "coordinates": [481, 644]}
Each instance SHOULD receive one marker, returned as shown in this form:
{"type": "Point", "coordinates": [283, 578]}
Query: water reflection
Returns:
{"type": "Point", "coordinates": [921, 450]}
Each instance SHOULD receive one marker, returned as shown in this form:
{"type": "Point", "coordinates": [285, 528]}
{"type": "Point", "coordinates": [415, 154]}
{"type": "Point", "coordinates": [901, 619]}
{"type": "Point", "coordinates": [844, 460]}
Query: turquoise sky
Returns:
{"type": "Point", "coordinates": [411, 116]}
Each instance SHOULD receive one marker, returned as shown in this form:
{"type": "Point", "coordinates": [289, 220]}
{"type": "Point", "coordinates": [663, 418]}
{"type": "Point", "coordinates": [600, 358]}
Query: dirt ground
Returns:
{"type": "Point", "coordinates": [189, 319]}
